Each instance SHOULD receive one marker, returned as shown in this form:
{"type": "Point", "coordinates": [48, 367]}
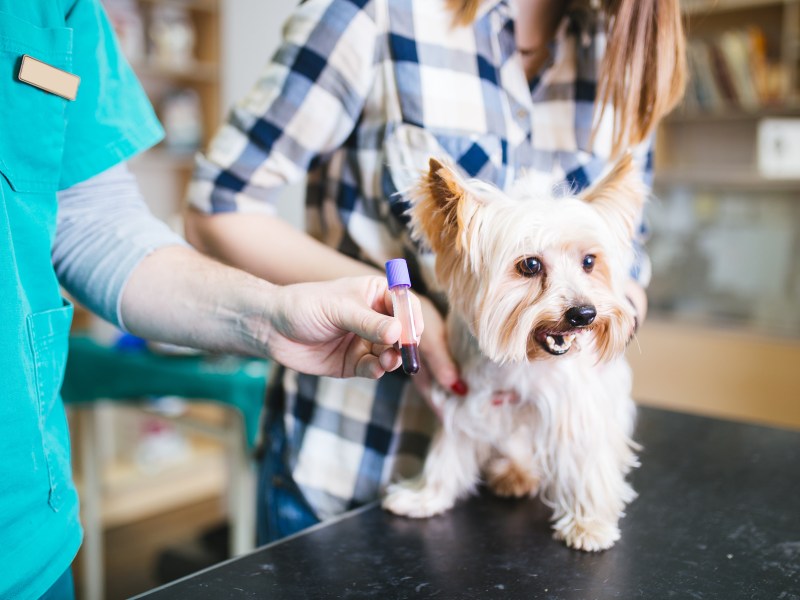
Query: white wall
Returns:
{"type": "Point", "coordinates": [250, 34]}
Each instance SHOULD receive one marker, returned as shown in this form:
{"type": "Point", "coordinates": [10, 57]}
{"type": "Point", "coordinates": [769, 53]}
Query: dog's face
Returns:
{"type": "Point", "coordinates": [532, 275]}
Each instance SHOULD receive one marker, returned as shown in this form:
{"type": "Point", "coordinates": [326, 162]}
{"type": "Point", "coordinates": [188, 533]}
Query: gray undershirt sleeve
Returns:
{"type": "Point", "coordinates": [104, 230]}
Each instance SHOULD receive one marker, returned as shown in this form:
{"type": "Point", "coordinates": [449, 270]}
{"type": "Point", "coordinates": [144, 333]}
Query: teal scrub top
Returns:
{"type": "Point", "coordinates": [48, 143]}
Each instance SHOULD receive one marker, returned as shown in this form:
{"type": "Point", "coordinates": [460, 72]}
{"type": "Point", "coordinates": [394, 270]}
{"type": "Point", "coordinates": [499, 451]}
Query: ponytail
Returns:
{"type": "Point", "coordinates": [644, 68]}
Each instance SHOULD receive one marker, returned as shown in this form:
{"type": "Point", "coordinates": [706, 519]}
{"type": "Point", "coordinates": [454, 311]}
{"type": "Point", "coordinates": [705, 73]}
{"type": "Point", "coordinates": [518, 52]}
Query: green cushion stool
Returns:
{"type": "Point", "coordinates": [96, 372]}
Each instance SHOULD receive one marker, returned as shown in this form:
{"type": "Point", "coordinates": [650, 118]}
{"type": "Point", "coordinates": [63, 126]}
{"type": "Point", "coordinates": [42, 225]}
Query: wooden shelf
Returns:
{"type": "Point", "coordinates": [713, 363]}
{"type": "Point", "coordinates": [698, 116]}
{"type": "Point", "coordinates": [728, 373]}
{"type": "Point", "coordinates": [163, 158]}
{"type": "Point", "coordinates": [197, 72]}
{"type": "Point", "coordinates": [734, 327]}
{"type": "Point", "coordinates": [163, 175]}
{"type": "Point", "coordinates": [733, 179]}
{"type": "Point", "coordinates": [207, 6]}
{"type": "Point", "coordinates": [700, 7]}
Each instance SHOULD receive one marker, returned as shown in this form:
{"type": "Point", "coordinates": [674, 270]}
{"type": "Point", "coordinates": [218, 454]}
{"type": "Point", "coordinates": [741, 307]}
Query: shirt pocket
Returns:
{"type": "Point", "coordinates": [48, 334]}
{"type": "Point", "coordinates": [34, 121]}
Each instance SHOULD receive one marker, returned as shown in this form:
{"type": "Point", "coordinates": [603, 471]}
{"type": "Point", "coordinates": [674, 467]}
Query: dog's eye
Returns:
{"type": "Point", "coordinates": [529, 266]}
{"type": "Point", "coordinates": [588, 262]}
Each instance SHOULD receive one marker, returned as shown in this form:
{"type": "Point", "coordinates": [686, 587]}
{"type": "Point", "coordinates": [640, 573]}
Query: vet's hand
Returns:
{"type": "Point", "coordinates": [338, 328]}
{"type": "Point", "coordinates": [437, 363]}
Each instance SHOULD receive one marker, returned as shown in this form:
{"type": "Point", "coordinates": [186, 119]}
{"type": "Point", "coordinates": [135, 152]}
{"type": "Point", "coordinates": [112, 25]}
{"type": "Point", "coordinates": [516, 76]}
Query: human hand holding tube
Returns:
{"type": "Point", "coordinates": [339, 328]}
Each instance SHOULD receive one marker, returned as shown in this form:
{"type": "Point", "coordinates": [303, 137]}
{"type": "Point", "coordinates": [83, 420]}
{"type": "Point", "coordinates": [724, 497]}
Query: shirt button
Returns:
{"type": "Point", "coordinates": [521, 113]}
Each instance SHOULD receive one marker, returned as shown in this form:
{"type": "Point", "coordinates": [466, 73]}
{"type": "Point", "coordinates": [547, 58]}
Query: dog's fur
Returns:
{"type": "Point", "coordinates": [564, 429]}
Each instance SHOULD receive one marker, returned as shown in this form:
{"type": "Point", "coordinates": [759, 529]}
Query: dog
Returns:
{"type": "Point", "coordinates": [539, 322]}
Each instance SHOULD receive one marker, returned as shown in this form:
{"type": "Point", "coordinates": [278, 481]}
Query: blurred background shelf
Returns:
{"type": "Point", "coordinates": [705, 7]}
{"type": "Point", "coordinates": [193, 72]}
{"type": "Point", "coordinates": [174, 47]}
{"type": "Point", "coordinates": [209, 6]}
{"type": "Point", "coordinates": [730, 372]}
{"type": "Point", "coordinates": [731, 114]}
{"type": "Point", "coordinates": [740, 180]}
{"type": "Point", "coordinates": [725, 224]}
{"type": "Point", "coordinates": [159, 158]}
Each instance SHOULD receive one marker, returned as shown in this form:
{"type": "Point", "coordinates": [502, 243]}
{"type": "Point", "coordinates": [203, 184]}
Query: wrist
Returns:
{"type": "Point", "coordinates": [251, 316]}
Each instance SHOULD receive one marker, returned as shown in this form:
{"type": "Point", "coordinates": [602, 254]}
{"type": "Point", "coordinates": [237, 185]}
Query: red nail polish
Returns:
{"type": "Point", "coordinates": [460, 388]}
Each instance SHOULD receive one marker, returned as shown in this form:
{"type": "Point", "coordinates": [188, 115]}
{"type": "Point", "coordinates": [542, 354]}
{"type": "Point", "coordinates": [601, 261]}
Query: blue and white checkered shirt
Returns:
{"type": "Point", "coordinates": [360, 94]}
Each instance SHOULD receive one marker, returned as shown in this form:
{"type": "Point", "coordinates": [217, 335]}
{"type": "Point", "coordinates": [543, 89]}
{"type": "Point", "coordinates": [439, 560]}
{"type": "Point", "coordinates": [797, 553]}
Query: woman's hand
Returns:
{"type": "Point", "coordinates": [339, 328]}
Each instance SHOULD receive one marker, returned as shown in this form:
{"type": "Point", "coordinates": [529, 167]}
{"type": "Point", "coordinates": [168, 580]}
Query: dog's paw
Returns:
{"type": "Point", "coordinates": [408, 499]}
{"type": "Point", "coordinates": [590, 536]}
{"type": "Point", "coordinates": [507, 479]}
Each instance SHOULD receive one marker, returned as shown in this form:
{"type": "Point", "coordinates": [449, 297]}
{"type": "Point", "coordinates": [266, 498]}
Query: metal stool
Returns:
{"type": "Point", "coordinates": [97, 373]}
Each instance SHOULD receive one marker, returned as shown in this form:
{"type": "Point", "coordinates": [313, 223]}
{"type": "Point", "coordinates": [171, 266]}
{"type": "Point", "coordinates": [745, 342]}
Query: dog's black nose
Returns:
{"type": "Point", "coordinates": [581, 316]}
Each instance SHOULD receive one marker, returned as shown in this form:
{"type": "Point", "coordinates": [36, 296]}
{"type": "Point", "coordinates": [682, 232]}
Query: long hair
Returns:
{"type": "Point", "coordinates": [643, 74]}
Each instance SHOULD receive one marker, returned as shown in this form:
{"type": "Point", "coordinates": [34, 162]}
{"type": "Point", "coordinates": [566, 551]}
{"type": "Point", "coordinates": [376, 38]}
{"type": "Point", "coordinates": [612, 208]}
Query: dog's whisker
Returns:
{"type": "Point", "coordinates": [635, 337]}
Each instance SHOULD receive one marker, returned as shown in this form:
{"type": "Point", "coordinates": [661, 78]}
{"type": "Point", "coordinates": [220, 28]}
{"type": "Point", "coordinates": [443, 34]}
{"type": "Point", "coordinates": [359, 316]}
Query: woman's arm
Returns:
{"type": "Point", "coordinates": [270, 248]}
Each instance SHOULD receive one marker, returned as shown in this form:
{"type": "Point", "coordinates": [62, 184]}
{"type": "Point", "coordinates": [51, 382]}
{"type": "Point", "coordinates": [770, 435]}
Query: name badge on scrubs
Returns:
{"type": "Point", "coordinates": [48, 78]}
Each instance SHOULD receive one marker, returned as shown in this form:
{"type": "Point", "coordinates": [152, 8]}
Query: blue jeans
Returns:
{"type": "Point", "coordinates": [62, 589]}
{"type": "Point", "coordinates": [282, 510]}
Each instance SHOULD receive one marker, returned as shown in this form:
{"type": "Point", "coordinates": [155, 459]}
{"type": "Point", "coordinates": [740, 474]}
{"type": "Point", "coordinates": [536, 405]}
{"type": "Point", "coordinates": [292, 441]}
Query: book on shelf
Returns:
{"type": "Point", "coordinates": [735, 49]}
{"type": "Point", "coordinates": [704, 91]}
{"type": "Point", "coordinates": [723, 74]}
{"type": "Point", "coordinates": [732, 71]}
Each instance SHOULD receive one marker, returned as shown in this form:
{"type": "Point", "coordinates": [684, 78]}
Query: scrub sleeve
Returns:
{"type": "Point", "coordinates": [48, 143]}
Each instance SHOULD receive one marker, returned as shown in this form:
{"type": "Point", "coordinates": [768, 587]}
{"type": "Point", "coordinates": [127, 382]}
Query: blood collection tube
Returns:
{"type": "Point", "coordinates": [399, 286]}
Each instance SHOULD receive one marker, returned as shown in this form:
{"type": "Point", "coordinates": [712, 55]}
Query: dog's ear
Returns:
{"type": "Point", "coordinates": [438, 211]}
{"type": "Point", "coordinates": [619, 197]}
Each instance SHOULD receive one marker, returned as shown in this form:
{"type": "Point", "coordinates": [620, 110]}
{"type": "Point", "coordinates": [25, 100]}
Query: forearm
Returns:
{"type": "Point", "coordinates": [269, 248]}
{"type": "Point", "coordinates": [177, 295]}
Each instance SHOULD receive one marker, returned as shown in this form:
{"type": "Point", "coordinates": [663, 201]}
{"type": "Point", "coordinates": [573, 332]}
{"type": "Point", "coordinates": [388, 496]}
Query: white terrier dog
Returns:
{"type": "Point", "coordinates": [538, 311]}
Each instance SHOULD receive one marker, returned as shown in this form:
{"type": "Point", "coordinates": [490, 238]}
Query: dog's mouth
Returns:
{"type": "Point", "coordinates": [557, 343]}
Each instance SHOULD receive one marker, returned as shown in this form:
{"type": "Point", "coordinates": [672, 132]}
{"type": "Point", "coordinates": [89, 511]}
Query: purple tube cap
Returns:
{"type": "Point", "coordinates": [397, 273]}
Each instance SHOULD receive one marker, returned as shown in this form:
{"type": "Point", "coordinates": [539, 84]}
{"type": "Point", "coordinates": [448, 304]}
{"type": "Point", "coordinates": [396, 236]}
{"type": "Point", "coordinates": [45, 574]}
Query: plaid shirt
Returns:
{"type": "Point", "coordinates": [360, 94]}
